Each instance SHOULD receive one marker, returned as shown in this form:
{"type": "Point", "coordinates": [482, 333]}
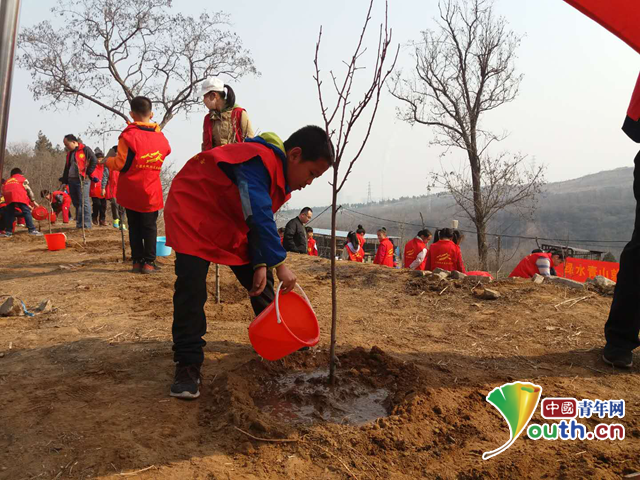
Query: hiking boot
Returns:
{"type": "Point", "coordinates": [150, 268]}
{"type": "Point", "coordinates": [137, 267]}
{"type": "Point", "coordinates": [103, 223]}
{"type": "Point", "coordinates": [617, 358]}
{"type": "Point", "coordinates": [35, 233]}
{"type": "Point", "coordinates": [186, 381]}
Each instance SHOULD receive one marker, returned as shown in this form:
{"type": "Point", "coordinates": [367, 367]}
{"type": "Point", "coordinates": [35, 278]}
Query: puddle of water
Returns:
{"type": "Point", "coordinates": [306, 398]}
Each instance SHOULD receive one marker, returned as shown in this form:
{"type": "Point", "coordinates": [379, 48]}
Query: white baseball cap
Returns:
{"type": "Point", "coordinates": [211, 85]}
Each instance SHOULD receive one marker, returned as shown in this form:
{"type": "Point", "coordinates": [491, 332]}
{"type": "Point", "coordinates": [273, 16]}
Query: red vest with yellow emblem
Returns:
{"type": "Point", "coordinates": [81, 159]}
{"type": "Point", "coordinates": [14, 191]}
{"type": "Point", "coordinates": [203, 215]}
{"type": "Point", "coordinates": [312, 249]}
{"type": "Point", "coordinates": [384, 256]}
{"type": "Point", "coordinates": [446, 255]}
{"type": "Point", "coordinates": [139, 186]}
{"type": "Point", "coordinates": [96, 187]}
{"type": "Point", "coordinates": [411, 251]}
{"type": "Point", "coordinates": [357, 256]}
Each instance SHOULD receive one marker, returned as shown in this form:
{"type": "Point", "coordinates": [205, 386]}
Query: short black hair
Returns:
{"type": "Point", "coordinates": [314, 143]}
{"type": "Point", "coordinates": [141, 106]}
{"type": "Point", "coordinates": [556, 252]}
{"type": "Point", "coordinates": [71, 137]}
{"type": "Point", "coordinates": [537, 250]}
{"type": "Point", "coordinates": [309, 229]}
{"type": "Point", "coordinates": [424, 233]}
{"type": "Point", "coordinates": [16, 171]}
{"type": "Point", "coordinates": [306, 210]}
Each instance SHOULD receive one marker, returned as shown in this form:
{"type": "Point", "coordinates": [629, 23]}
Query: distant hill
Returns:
{"type": "Point", "coordinates": [594, 207]}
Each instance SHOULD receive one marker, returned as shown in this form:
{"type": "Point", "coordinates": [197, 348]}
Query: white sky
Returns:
{"type": "Point", "coordinates": [578, 80]}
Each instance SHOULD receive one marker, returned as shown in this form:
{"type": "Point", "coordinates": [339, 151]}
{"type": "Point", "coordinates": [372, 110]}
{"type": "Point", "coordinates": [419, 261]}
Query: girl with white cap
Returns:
{"type": "Point", "coordinates": [226, 122]}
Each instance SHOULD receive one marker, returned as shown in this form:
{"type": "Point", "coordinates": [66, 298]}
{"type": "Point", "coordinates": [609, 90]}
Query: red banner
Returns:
{"type": "Point", "coordinates": [580, 269]}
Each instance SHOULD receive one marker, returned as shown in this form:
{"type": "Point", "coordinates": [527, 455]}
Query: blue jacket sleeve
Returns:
{"type": "Point", "coordinates": [253, 181]}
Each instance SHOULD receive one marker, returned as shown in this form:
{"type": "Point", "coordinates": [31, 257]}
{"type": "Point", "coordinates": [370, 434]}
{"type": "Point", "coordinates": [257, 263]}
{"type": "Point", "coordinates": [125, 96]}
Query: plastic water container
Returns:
{"type": "Point", "coordinates": [161, 247]}
{"type": "Point", "coordinates": [56, 241]}
{"type": "Point", "coordinates": [285, 326]}
{"type": "Point", "coordinates": [40, 213]}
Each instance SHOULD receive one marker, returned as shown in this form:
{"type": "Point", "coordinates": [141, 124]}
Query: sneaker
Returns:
{"type": "Point", "coordinates": [6, 235]}
{"type": "Point", "coordinates": [186, 381]}
{"type": "Point", "coordinates": [137, 267]}
{"type": "Point", "coordinates": [150, 268]}
{"type": "Point", "coordinates": [35, 233]}
{"type": "Point", "coordinates": [95, 222]}
{"type": "Point", "coordinates": [617, 358]}
{"type": "Point", "coordinates": [103, 223]}
{"type": "Point", "coordinates": [116, 224]}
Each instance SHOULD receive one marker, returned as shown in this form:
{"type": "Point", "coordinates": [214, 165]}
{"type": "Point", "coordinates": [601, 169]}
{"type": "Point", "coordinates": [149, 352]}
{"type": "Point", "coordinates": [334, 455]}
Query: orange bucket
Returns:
{"type": "Point", "coordinates": [285, 326]}
{"type": "Point", "coordinates": [56, 241]}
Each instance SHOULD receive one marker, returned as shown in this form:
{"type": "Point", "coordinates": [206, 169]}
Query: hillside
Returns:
{"type": "Point", "coordinates": [593, 207]}
{"type": "Point", "coordinates": [85, 387]}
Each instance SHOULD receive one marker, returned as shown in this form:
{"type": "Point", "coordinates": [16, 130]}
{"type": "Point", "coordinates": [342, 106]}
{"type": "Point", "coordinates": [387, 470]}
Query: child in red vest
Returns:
{"type": "Point", "coordinates": [99, 182]}
{"type": "Point", "coordinates": [312, 248]}
{"type": "Point", "coordinates": [17, 195]}
{"type": "Point", "coordinates": [60, 203]}
{"type": "Point", "coordinates": [444, 253]}
{"type": "Point", "coordinates": [110, 191]}
{"type": "Point", "coordinates": [220, 210]}
{"type": "Point", "coordinates": [281, 233]}
{"type": "Point", "coordinates": [385, 253]}
{"type": "Point", "coordinates": [415, 251]}
{"type": "Point", "coordinates": [352, 250]}
{"type": "Point", "coordinates": [142, 149]}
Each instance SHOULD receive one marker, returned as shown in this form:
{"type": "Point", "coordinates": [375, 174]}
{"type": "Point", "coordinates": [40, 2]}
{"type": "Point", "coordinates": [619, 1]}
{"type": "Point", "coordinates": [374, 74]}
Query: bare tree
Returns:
{"type": "Point", "coordinates": [109, 51]}
{"type": "Point", "coordinates": [464, 69]}
{"type": "Point", "coordinates": [340, 120]}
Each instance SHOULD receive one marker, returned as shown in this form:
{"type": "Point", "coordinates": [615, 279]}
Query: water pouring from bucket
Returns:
{"type": "Point", "coordinates": [285, 326]}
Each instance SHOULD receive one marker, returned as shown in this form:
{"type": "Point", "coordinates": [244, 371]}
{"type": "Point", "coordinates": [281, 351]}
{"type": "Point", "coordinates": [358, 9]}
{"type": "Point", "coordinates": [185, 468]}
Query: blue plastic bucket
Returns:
{"type": "Point", "coordinates": [161, 247]}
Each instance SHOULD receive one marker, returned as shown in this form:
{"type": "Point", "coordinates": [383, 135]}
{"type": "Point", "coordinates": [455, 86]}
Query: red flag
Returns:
{"type": "Point", "coordinates": [620, 17]}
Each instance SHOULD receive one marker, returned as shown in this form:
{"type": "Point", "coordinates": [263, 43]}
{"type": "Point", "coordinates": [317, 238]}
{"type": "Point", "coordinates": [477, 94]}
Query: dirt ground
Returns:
{"type": "Point", "coordinates": [84, 389]}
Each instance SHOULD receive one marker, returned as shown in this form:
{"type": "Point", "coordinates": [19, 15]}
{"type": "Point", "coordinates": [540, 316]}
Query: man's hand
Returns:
{"type": "Point", "coordinates": [287, 277]}
{"type": "Point", "coordinates": [259, 281]}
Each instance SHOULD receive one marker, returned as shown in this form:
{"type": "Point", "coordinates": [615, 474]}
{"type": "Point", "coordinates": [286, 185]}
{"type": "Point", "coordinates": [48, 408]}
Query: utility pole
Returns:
{"type": "Point", "coordinates": [369, 197]}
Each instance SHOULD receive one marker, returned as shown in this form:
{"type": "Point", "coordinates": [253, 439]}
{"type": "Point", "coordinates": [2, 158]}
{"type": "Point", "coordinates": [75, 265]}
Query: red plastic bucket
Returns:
{"type": "Point", "coordinates": [53, 217]}
{"type": "Point", "coordinates": [40, 213]}
{"type": "Point", "coordinates": [285, 326]}
{"type": "Point", "coordinates": [56, 241]}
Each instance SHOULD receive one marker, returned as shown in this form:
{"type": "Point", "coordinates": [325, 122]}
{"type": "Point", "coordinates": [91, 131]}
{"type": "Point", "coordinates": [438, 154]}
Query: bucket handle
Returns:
{"type": "Point", "coordinates": [304, 295]}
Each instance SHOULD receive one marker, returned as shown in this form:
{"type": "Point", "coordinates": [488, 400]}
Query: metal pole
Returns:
{"type": "Point", "coordinates": [9, 15]}
{"type": "Point", "coordinates": [217, 283]}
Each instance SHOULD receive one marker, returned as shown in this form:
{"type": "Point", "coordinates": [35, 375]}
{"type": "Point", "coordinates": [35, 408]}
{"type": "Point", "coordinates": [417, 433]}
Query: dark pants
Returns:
{"type": "Point", "coordinates": [189, 320]}
{"type": "Point", "coordinates": [143, 233]}
{"type": "Point", "coordinates": [117, 212]}
{"type": "Point", "coordinates": [623, 326]}
{"type": "Point", "coordinates": [10, 216]}
{"type": "Point", "coordinates": [99, 209]}
{"type": "Point", "coordinates": [81, 201]}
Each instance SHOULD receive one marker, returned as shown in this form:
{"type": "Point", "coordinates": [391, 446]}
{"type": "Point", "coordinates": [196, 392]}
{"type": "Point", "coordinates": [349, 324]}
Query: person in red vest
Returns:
{"type": "Point", "coordinates": [361, 233]}
{"type": "Point", "coordinates": [444, 253]}
{"type": "Point", "coordinates": [540, 263]}
{"type": "Point", "coordinates": [60, 203]}
{"type": "Point", "coordinates": [352, 250]}
{"type": "Point", "coordinates": [78, 171]}
{"type": "Point", "coordinates": [110, 191]}
{"type": "Point", "coordinates": [142, 150]}
{"type": "Point", "coordinates": [16, 197]}
{"type": "Point", "coordinates": [99, 181]}
{"type": "Point", "coordinates": [220, 210]}
{"type": "Point", "coordinates": [281, 233]}
{"type": "Point", "coordinates": [226, 122]}
{"type": "Point", "coordinates": [312, 248]}
{"type": "Point", "coordinates": [415, 251]}
{"type": "Point", "coordinates": [385, 253]}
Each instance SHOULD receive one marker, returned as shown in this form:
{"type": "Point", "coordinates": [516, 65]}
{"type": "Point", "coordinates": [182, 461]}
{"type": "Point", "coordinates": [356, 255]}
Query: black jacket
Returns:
{"type": "Point", "coordinates": [295, 236]}
{"type": "Point", "coordinates": [91, 166]}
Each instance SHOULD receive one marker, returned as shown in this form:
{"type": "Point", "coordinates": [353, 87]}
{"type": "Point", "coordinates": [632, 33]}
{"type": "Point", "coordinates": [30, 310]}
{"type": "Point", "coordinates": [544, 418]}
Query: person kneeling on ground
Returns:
{"type": "Point", "coordinates": [142, 150]}
{"type": "Point", "coordinates": [444, 253]}
{"type": "Point", "coordinates": [539, 262]}
{"type": "Point", "coordinates": [17, 195]}
{"type": "Point", "coordinates": [220, 209]}
{"type": "Point", "coordinates": [60, 203]}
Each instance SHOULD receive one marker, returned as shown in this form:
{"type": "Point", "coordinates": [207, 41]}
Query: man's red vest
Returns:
{"type": "Point", "coordinates": [446, 255]}
{"type": "Point", "coordinates": [527, 267]}
{"type": "Point", "coordinates": [207, 129]}
{"type": "Point", "coordinates": [14, 191]}
{"type": "Point", "coordinates": [385, 253]}
{"type": "Point", "coordinates": [81, 159]}
{"type": "Point", "coordinates": [112, 185]}
{"type": "Point", "coordinates": [139, 187]}
{"type": "Point", "coordinates": [357, 256]}
{"type": "Point", "coordinates": [411, 251]}
{"type": "Point", "coordinates": [311, 248]}
{"type": "Point", "coordinates": [204, 217]}
{"type": "Point", "coordinates": [96, 187]}
{"type": "Point", "coordinates": [66, 199]}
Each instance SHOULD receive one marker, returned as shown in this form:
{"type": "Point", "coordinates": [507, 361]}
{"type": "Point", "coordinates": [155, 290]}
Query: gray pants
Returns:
{"type": "Point", "coordinates": [76, 192]}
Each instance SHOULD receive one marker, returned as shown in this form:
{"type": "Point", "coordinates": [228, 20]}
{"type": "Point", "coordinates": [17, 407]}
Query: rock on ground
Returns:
{"type": "Point", "coordinates": [566, 282]}
{"type": "Point", "coordinates": [12, 307]}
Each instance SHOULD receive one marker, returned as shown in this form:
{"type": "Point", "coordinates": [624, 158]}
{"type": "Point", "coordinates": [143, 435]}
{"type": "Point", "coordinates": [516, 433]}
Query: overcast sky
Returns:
{"type": "Point", "coordinates": [578, 80]}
